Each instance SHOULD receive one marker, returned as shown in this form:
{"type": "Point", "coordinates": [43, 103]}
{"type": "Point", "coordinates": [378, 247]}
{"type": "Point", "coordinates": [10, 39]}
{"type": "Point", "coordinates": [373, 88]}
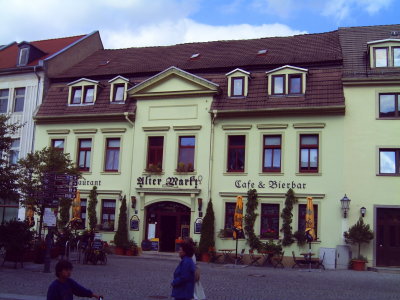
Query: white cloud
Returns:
{"type": "Point", "coordinates": [342, 9]}
{"type": "Point", "coordinates": [186, 31]}
{"type": "Point", "coordinates": [122, 23]}
{"type": "Point", "coordinates": [282, 8]}
{"type": "Point", "coordinates": [44, 19]}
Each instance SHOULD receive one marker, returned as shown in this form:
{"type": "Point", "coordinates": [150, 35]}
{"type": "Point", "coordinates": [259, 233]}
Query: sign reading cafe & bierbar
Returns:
{"type": "Point", "coordinates": [269, 184]}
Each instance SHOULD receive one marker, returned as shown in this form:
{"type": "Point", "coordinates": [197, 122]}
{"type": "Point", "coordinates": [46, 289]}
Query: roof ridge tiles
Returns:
{"type": "Point", "coordinates": [368, 26]}
{"type": "Point", "coordinates": [60, 38]}
{"type": "Point", "coordinates": [227, 41]}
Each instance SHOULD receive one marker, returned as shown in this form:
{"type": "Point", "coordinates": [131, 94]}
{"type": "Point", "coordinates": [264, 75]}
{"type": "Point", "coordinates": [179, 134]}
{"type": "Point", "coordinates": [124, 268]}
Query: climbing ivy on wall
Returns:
{"type": "Point", "coordinates": [249, 219]}
{"type": "Point", "coordinates": [92, 208]}
{"type": "Point", "coordinates": [65, 207]}
{"type": "Point", "coordinates": [287, 216]}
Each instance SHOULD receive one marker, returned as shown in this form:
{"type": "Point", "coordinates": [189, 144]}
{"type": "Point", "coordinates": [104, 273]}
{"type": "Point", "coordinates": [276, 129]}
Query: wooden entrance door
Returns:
{"type": "Point", "coordinates": [170, 218]}
{"type": "Point", "coordinates": [167, 233]}
{"type": "Point", "coordinates": [388, 237]}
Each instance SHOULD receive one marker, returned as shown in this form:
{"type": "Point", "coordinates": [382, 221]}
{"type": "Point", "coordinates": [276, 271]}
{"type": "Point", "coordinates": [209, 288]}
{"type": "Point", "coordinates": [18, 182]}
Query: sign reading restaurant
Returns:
{"type": "Point", "coordinates": [271, 184]}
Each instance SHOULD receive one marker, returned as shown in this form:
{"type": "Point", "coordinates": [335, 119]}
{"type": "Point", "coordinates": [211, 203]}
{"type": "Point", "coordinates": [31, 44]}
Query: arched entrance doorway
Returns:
{"type": "Point", "coordinates": [168, 220]}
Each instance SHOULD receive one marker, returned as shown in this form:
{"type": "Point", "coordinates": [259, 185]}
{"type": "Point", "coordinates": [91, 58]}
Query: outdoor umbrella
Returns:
{"type": "Point", "coordinates": [238, 221]}
{"type": "Point", "coordinates": [77, 206]}
{"type": "Point", "coordinates": [76, 211]}
{"type": "Point", "coordinates": [310, 231]}
{"type": "Point", "coordinates": [29, 216]}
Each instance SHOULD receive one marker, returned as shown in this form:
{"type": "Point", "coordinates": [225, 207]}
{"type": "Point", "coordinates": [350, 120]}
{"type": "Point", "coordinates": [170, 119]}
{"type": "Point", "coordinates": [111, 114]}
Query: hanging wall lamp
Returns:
{"type": "Point", "coordinates": [363, 210]}
{"type": "Point", "coordinates": [345, 203]}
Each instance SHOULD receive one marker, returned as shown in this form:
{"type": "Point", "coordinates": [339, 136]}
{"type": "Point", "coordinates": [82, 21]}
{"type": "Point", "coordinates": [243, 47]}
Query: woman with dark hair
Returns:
{"type": "Point", "coordinates": [183, 283]}
{"type": "Point", "coordinates": [64, 288]}
{"type": "Point", "coordinates": [198, 287]}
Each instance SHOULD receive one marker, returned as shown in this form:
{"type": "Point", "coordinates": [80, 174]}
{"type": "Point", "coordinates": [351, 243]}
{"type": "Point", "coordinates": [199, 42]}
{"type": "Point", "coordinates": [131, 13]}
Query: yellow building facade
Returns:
{"type": "Point", "coordinates": [231, 118]}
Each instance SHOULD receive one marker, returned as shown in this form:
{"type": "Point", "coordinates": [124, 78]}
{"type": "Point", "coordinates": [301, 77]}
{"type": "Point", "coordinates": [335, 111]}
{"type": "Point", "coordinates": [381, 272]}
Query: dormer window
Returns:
{"type": "Point", "coordinates": [295, 85]}
{"type": "Point", "coordinates": [381, 57]}
{"type": "Point", "coordinates": [89, 94]}
{"type": "Point", "coordinates": [287, 80]}
{"type": "Point", "coordinates": [77, 95]}
{"type": "Point", "coordinates": [278, 84]}
{"type": "Point", "coordinates": [119, 87]}
{"type": "Point", "coordinates": [396, 56]}
{"type": "Point", "coordinates": [23, 56]}
{"type": "Point", "coordinates": [237, 86]}
{"type": "Point", "coordinates": [238, 83]}
{"type": "Point", "coordinates": [119, 91]}
{"type": "Point", "coordinates": [384, 53]}
{"type": "Point", "coordinates": [83, 92]}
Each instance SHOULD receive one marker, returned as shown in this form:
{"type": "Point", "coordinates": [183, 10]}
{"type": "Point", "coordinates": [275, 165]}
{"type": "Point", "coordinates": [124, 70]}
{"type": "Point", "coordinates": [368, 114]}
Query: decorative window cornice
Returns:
{"type": "Point", "coordinates": [85, 131]}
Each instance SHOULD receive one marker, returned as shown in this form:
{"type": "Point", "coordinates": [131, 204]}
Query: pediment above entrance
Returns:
{"type": "Point", "coordinates": [172, 82]}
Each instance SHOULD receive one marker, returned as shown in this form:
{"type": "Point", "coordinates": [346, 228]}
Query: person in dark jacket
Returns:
{"type": "Point", "coordinates": [64, 288]}
{"type": "Point", "coordinates": [183, 283]}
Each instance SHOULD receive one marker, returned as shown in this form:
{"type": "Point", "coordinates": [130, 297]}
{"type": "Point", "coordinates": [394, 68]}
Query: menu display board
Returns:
{"type": "Point", "coordinates": [155, 244]}
{"type": "Point", "coordinates": [134, 223]}
{"type": "Point", "coordinates": [197, 225]}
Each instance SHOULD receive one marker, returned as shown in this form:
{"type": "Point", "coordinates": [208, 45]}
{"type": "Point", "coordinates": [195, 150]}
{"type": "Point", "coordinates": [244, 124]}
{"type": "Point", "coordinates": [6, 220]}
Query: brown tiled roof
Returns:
{"type": "Point", "coordinates": [324, 89]}
{"type": "Point", "coordinates": [296, 50]}
{"type": "Point", "coordinates": [8, 56]}
{"type": "Point", "coordinates": [320, 53]}
{"type": "Point", "coordinates": [354, 47]}
{"type": "Point", "coordinates": [56, 104]}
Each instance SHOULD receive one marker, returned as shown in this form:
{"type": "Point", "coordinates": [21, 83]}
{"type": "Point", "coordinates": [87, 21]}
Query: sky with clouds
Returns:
{"type": "Point", "coordinates": [137, 23]}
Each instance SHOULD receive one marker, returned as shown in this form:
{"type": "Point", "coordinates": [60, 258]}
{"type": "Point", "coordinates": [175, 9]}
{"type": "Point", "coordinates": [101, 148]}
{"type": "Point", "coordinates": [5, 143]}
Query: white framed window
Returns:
{"type": "Point", "coordinates": [4, 100]}
{"type": "Point", "coordinates": [287, 81]}
{"type": "Point", "coordinates": [23, 56]}
{"type": "Point", "coordinates": [19, 99]}
{"type": "Point", "coordinates": [389, 161]}
{"type": "Point", "coordinates": [83, 92]}
{"type": "Point", "coordinates": [14, 151]}
{"type": "Point", "coordinates": [278, 84]}
{"type": "Point", "coordinates": [112, 154]}
{"type": "Point", "coordinates": [118, 90]}
{"type": "Point", "coordinates": [384, 53]}
{"type": "Point", "coordinates": [119, 93]}
{"type": "Point", "coordinates": [237, 86]}
{"type": "Point", "coordinates": [396, 56]}
{"type": "Point", "coordinates": [381, 57]}
{"type": "Point", "coordinates": [238, 83]}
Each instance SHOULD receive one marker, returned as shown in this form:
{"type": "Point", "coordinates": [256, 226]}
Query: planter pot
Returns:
{"type": "Point", "coordinates": [358, 265]}
{"type": "Point", "coordinates": [129, 252]}
{"type": "Point", "coordinates": [205, 257]}
{"type": "Point", "coordinates": [119, 251]}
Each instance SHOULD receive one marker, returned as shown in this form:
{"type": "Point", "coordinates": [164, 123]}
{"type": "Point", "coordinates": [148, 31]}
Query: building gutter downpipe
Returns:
{"type": "Point", "coordinates": [126, 114]}
{"type": "Point", "coordinates": [36, 107]}
{"type": "Point", "coordinates": [210, 164]}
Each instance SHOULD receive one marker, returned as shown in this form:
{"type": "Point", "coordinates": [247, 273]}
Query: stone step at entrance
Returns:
{"type": "Point", "coordinates": [392, 270]}
{"type": "Point", "coordinates": [160, 255]}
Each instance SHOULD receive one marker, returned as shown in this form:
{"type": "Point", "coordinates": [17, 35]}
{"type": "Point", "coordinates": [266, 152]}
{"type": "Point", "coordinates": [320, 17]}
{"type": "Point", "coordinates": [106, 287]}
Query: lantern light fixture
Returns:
{"type": "Point", "coordinates": [345, 204]}
{"type": "Point", "coordinates": [363, 210]}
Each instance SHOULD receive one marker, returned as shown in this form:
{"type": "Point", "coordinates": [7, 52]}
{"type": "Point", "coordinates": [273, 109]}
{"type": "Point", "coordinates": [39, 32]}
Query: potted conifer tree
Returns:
{"type": "Point", "coordinates": [207, 239]}
{"type": "Point", "coordinates": [359, 233]}
{"type": "Point", "coordinates": [121, 240]}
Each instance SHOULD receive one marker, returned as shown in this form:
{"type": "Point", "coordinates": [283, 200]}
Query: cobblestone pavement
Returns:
{"type": "Point", "coordinates": [129, 278]}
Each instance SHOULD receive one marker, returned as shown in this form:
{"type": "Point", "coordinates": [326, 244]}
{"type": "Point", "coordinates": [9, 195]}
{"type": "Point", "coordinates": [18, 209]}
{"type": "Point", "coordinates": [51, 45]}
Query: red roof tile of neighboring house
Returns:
{"type": "Point", "coordinates": [9, 55]}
